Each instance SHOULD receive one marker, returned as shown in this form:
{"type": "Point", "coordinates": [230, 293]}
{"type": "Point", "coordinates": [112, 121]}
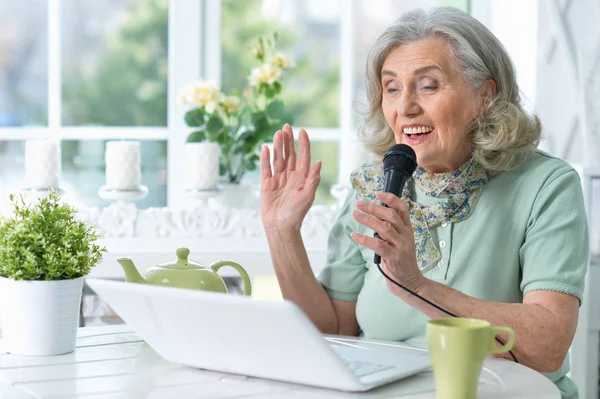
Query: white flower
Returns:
{"type": "Point", "coordinates": [201, 94]}
{"type": "Point", "coordinates": [283, 61]}
{"type": "Point", "coordinates": [231, 104]}
{"type": "Point", "coordinates": [210, 107]}
{"type": "Point", "coordinates": [266, 73]}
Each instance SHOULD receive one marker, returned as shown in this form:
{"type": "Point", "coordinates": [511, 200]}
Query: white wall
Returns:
{"type": "Point", "coordinates": [515, 23]}
{"type": "Point", "coordinates": [568, 102]}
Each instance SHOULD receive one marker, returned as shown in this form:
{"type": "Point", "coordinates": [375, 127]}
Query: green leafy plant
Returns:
{"type": "Point", "coordinates": [45, 241]}
{"type": "Point", "coordinates": [242, 121]}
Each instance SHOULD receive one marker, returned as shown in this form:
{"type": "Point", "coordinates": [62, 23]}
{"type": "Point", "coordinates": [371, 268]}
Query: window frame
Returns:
{"type": "Point", "coordinates": [185, 52]}
{"type": "Point", "coordinates": [194, 51]}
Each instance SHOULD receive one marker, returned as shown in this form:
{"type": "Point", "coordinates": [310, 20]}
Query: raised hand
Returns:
{"type": "Point", "coordinates": [287, 192]}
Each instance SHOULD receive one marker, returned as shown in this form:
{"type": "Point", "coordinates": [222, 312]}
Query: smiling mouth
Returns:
{"type": "Point", "coordinates": [417, 132]}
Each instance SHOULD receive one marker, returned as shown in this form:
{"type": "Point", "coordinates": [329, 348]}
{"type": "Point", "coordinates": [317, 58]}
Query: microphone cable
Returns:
{"type": "Point", "coordinates": [434, 305]}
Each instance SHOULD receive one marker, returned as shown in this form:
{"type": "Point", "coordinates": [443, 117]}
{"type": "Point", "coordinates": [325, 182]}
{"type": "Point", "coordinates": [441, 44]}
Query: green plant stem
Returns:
{"type": "Point", "coordinates": [234, 177]}
{"type": "Point", "coordinates": [239, 173]}
{"type": "Point", "coordinates": [228, 164]}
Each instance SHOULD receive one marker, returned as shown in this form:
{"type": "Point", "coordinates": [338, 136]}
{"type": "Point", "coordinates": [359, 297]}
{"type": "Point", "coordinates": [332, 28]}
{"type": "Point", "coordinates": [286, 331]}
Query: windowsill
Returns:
{"type": "Point", "coordinates": [226, 226]}
{"type": "Point", "coordinates": [204, 219]}
{"type": "Point", "coordinates": [231, 211]}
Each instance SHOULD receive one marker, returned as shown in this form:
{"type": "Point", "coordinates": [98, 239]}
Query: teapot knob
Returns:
{"type": "Point", "coordinates": [182, 253]}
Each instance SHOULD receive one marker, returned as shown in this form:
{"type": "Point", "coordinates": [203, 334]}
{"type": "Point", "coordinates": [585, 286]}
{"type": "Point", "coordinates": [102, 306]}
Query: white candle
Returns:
{"type": "Point", "coordinates": [201, 165]}
{"type": "Point", "coordinates": [42, 164]}
{"type": "Point", "coordinates": [123, 165]}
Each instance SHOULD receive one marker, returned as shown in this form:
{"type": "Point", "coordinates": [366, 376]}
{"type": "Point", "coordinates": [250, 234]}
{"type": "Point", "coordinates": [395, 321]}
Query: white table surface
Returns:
{"type": "Point", "coordinates": [112, 362]}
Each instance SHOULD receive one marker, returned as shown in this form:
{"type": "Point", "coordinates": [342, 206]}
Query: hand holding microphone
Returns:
{"type": "Point", "coordinates": [394, 237]}
{"type": "Point", "coordinates": [399, 163]}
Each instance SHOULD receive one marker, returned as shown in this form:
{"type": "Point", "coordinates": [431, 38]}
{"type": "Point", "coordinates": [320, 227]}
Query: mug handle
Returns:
{"type": "Point", "coordinates": [245, 278]}
{"type": "Point", "coordinates": [507, 346]}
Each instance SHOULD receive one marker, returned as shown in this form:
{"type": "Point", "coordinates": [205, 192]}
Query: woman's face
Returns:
{"type": "Point", "coordinates": [428, 103]}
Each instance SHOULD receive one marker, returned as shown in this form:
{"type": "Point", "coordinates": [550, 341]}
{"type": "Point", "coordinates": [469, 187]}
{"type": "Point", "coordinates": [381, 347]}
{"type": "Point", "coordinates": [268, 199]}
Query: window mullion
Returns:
{"type": "Point", "coordinates": [54, 69]}
{"type": "Point", "coordinates": [184, 65]}
{"type": "Point", "coordinates": [347, 136]}
{"type": "Point", "coordinates": [321, 133]}
{"type": "Point", "coordinates": [211, 51]}
{"type": "Point", "coordinates": [113, 133]}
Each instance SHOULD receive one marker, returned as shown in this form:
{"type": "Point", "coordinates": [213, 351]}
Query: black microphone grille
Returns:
{"type": "Point", "coordinates": [400, 157]}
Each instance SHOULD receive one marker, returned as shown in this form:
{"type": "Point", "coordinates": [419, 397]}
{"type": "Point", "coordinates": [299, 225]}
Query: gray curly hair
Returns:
{"type": "Point", "coordinates": [504, 134]}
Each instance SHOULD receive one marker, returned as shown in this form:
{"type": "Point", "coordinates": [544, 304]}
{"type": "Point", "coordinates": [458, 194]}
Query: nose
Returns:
{"type": "Point", "coordinates": [408, 104]}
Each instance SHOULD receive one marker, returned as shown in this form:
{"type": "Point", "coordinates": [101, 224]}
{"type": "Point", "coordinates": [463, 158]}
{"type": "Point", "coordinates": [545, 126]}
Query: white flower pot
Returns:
{"type": "Point", "coordinates": [40, 318]}
{"type": "Point", "coordinates": [201, 166]}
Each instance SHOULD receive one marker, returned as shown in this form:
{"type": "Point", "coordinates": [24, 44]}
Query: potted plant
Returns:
{"type": "Point", "coordinates": [237, 124]}
{"type": "Point", "coordinates": [45, 252]}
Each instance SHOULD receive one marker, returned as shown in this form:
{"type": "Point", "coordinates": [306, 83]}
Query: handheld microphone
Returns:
{"type": "Point", "coordinates": [399, 163]}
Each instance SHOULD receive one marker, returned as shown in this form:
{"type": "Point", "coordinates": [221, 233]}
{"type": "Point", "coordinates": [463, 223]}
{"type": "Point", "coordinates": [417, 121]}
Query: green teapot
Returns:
{"type": "Point", "coordinates": [184, 273]}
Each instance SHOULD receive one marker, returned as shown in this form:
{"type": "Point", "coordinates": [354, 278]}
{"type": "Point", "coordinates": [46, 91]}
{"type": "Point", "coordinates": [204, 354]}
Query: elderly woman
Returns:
{"type": "Point", "coordinates": [488, 227]}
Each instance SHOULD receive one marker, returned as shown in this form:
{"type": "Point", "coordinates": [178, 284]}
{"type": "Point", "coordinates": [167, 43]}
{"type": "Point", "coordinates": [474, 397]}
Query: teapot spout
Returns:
{"type": "Point", "coordinates": [131, 273]}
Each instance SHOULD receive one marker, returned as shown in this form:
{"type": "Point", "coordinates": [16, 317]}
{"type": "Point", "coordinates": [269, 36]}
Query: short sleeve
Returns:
{"type": "Point", "coordinates": [345, 268]}
{"type": "Point", "coordinates": [554, 255]}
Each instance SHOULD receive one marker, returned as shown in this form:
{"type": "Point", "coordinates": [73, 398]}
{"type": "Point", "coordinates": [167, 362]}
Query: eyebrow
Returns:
{"type": "Point", "coordinates": [415, 72]}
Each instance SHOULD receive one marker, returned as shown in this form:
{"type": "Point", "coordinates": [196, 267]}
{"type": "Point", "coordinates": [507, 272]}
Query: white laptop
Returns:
{"type": "Point", "coordinates": [248, 336]}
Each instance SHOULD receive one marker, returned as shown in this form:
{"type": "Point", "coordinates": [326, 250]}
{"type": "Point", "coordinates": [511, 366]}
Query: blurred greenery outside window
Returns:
{"type": "Point", "coordinates": [113, 59]}
{"type": "Point", "coordinates": [114, 74]}
{"type": "Point", "coordinates": [312, 89]}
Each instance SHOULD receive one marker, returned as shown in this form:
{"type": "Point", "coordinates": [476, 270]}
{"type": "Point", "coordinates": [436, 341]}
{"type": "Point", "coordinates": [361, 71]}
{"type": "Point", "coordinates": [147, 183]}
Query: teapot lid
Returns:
{"type": "Point", "coordinates": [182, 261]}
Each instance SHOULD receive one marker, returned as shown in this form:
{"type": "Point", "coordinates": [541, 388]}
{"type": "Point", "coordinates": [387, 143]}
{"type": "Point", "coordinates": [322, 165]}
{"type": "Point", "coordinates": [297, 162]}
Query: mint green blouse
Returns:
{"type": "Point", "coordinates": [527, 232]}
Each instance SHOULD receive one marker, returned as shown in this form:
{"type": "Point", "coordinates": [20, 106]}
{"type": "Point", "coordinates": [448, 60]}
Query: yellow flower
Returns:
{"type": "Point", "coordinates": [201, 94]}
{"type": "Point", "coordinates": [283, 61]}
{"type": "Point", "coordinates": [231, 104]}
{"type": "Point", "coordinates": [266, 73]}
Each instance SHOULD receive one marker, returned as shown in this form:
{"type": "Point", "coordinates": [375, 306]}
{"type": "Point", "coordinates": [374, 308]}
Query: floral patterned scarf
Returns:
{"type": "Point", "coordinates": [460, 190]}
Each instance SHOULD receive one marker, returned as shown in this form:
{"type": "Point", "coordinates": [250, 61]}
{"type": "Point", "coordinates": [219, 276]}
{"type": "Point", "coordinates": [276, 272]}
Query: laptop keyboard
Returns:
{"type": "Point", "coordinates": [362, 368]}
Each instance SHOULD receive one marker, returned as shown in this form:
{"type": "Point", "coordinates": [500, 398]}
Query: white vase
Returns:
{"type": "Point", "coordinates": [40, 318]}
{"type": "Point", "coordinates": [201, 166]}
{"type": "Point", "coordinates": [242, 195]}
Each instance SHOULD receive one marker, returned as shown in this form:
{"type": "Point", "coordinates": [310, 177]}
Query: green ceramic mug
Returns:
{"type": "Point", "coordinates": [458, 348]}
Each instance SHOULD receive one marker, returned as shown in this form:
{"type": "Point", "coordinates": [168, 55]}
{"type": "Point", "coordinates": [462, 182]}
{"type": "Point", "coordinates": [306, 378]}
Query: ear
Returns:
{"type": "Point", "coordinates": [487, 91]}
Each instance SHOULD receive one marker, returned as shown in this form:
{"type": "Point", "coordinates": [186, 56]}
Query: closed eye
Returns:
{"type": "Point", "coordinates": [428, 84]}
{"type": "Point", "coordinates": [428, 88]}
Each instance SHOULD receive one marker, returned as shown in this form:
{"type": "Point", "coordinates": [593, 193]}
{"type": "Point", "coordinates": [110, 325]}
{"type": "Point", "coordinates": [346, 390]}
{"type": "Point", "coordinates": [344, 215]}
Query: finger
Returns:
{"type": "Point", "coordinates": [384, 228]}
{"type": "Point", "coordinates": [265, 165]}
{"type": "Point", "coordinates": [278, 162]}
{"type": "Point", "coordinates": [381, 212]}
{"type": "Point", "coordinates": [398, 204]}
{"type": "Point", "coordinates": [380, 247]}
{"type": "Point", "coordinates": [290, 151]}
{"type": "Point", "coordinates": [303, 153]}
{"type": "Point", "coordinates": [314, 177]}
